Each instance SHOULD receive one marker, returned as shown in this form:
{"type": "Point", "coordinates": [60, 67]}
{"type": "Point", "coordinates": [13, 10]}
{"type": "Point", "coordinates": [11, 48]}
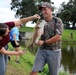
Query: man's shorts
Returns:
{"type": "Point", "coordinates": [14, 45]}
{"type": "Point", "coordinates": [51, 57]}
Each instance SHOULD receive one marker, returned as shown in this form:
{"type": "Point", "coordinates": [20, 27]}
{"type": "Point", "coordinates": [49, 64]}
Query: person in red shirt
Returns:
{"type": "Point", "coordinates": [5, 39]}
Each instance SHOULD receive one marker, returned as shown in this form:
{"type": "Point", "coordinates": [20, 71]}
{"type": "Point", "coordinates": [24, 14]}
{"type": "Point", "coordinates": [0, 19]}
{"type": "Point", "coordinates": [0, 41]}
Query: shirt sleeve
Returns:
{"type": "Point", "coordinates": [10, 24]}
{"type": "Point", "coordinates": [59, 26]}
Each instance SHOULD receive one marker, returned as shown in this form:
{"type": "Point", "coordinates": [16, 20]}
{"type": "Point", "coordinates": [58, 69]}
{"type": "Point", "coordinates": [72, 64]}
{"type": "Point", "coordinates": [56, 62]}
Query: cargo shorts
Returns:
{"type": "Point", "coordinates": [51, 57]}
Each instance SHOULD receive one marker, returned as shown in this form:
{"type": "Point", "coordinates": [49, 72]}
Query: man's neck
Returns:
{"type": "Point", "coordinates": [49, 18]}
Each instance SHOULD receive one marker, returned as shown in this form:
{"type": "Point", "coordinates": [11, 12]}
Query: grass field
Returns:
{"type": "Point", "coordinates": [67, 35]}
{"type": "Point", "coordinates": [25, 66]}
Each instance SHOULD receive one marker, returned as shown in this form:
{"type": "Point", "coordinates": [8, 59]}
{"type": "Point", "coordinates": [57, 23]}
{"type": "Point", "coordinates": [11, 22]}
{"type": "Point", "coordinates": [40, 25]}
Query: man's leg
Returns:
{"type": "Point", "coordinates": [54, 62]}
{"type": "Point", "coordinates": [6, 56]}
{"type": "Point", "coordinates": [17, 49]}
{"type": "Point", "coordinates": [39, 62]}
{"type": "Point", "coordinates": [2, 64]}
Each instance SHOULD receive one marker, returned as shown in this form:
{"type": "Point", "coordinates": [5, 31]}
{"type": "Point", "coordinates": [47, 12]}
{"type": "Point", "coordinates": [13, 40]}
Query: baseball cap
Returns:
{"type": "Point", "coordinates": [45, 4]}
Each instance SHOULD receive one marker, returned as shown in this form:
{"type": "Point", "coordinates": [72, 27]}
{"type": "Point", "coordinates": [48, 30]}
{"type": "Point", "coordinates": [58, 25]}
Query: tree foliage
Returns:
{"type": "Point", "coordinates": [25, 8]}
{"type": "Point", "coordinates": [67, 12]}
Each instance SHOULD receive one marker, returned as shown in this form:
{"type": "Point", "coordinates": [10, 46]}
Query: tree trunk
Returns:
{"type": "Point", "coordinates": [73, 25]}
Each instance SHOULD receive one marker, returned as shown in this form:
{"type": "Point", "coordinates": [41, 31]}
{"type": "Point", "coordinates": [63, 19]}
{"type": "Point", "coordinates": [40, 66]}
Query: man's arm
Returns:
{"type": "Point", "coordinates": [25, 20]}
{"type": "Point", "coordinates": [14, 36]}
{"type": "Point", "coordinates": [53, 39]}
{"type": "Point", "coordinates": [49, 41]}
{"type": "Point", "coordinates": [2, 50]}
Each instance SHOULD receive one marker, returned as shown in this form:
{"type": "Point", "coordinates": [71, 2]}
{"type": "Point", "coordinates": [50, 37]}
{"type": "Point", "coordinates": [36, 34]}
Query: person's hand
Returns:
{"type": "Point", "coordinates": [39, 43]}
{"type": "Point", "coordinates": [36, 16]}
{"type": "Point", "coordinates": [21, 52]}
{"type": "Point", "coordinates": [37, 25]}
{"type": "Point", "coordinates": [17, 43]}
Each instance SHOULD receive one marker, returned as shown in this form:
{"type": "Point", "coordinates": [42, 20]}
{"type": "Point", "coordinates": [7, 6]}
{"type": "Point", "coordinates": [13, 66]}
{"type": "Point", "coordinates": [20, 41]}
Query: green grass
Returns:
{"type": "Point", "coordinates": [25, 67]}
{"type": "Point", "coordinates": [26, 62]}
{"type": "Point", "coordinates": [26, 29]}
{"type": "Point", "coordinates": [67, 35]}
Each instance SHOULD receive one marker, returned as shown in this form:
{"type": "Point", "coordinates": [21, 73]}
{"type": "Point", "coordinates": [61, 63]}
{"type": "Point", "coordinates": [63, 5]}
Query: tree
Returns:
{"type": "Point", "coordinates": [68, 12]}
{"type": "Point", "coordinates": [24, 8]}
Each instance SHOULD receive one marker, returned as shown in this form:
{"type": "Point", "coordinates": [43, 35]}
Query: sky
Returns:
{"type": "Point", "coordinates": [7, 15]}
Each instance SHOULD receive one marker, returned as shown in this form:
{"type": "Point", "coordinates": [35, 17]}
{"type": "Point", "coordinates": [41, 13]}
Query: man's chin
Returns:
{"type": "Point", "coordinates": [45, 16]}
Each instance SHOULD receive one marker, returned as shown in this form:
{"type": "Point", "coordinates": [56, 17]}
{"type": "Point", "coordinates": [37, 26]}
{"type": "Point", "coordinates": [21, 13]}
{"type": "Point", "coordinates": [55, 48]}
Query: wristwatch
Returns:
{"type": "Point", "coordinates": [44, 44]}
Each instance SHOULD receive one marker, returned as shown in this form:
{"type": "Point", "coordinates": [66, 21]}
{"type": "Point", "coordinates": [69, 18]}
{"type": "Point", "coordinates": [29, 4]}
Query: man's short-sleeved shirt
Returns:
{"type": "Point", "coordinates": [15, 31]}
{"type": "Point", "coordinates": [5, 40]}
{"type": "Point", "coordinates": [53, 27]}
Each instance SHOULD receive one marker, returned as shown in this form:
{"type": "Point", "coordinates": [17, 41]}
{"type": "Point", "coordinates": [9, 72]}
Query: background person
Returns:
{"type": "Point", "coordinates": [5, 39]}
{"type": "Point", "coordinates": [14, 39]}
{"type": "Point", "coordinates": [49, 51]}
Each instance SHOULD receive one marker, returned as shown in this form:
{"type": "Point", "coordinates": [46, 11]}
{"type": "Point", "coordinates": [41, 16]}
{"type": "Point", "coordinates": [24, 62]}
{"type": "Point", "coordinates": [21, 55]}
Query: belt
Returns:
{"type": "Point", "coordinates": [46, 48]}
{"type": "Point", "coordinates": [49, 48]}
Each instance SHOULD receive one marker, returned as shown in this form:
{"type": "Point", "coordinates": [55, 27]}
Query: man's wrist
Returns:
{"type": "Point", "coordinates": [44, 42]}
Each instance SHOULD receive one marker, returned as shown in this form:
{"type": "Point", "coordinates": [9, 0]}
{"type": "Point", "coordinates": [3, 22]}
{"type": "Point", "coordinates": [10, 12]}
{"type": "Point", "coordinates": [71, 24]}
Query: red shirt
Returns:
{"type": "Point", "coordinates": [6, 39]}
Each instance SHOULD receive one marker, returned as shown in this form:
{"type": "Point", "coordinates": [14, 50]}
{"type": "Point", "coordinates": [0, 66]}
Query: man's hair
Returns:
{"type": "Point", "coordinates": [3, 28]}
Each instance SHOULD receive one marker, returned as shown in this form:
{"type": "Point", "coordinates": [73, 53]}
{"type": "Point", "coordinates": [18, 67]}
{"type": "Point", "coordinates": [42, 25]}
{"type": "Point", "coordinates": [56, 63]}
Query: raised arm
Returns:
{"type": "Point", "coordinates": [25, 20]}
